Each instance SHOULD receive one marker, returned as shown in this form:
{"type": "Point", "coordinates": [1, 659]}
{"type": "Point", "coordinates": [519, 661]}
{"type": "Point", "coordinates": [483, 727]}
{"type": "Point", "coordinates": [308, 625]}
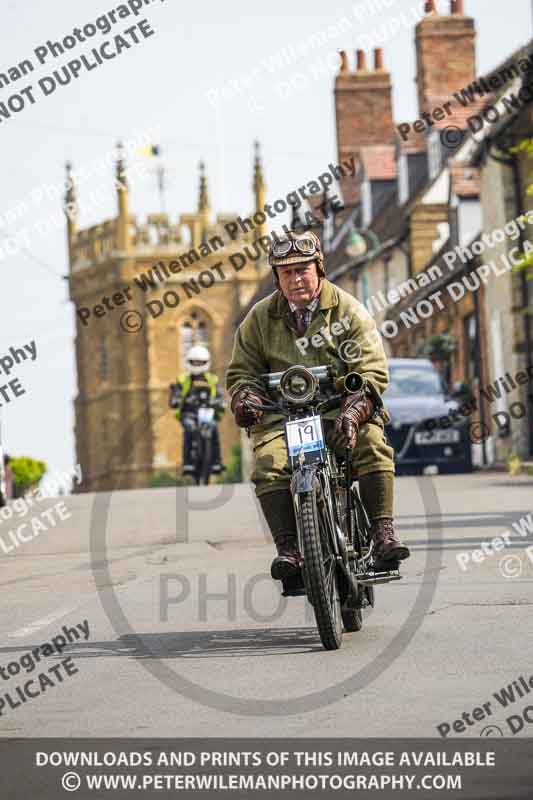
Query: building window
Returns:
{"type": "Point", "coordinates": [193, 330]}
{"type": "Point", "coordinates": [403, 180]}
{"type": "Point", "coordinates": [434, 154]}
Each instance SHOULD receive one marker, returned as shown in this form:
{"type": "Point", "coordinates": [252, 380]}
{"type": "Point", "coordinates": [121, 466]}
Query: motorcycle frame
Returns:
{"type": "Point", "coordinates": [303, 482]}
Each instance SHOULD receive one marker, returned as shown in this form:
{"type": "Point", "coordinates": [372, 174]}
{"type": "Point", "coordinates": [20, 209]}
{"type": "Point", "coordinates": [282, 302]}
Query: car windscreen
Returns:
{"type": "Point", "coordinates": [406, 381]}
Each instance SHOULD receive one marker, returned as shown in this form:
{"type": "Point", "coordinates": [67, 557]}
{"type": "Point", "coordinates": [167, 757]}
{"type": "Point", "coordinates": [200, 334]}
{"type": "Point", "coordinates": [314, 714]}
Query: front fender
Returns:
{"type": "Point", "coordinates": [303, 480]}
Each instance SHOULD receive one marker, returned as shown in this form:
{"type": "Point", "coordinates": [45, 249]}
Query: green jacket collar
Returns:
{"type": "Point", "coordinates": [279, 307]}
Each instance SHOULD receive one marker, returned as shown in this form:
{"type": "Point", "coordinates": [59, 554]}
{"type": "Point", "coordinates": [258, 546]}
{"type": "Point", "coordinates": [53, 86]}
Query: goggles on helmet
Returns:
{"type": "Point", "coordinates": [304, 245]}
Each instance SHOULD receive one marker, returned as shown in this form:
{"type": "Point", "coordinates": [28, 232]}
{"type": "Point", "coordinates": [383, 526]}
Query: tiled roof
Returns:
{"type": "Point", "coordinates": [378, 162]}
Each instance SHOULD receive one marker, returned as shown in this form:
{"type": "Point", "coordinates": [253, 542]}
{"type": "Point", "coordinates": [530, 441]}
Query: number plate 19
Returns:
{"type": "Point", "coordinates": [305, 438]}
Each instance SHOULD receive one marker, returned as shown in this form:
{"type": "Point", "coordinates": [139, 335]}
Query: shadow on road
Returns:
{"type": "Point", "coordinates": [461, 519]}
{"type": "Point", "coordinates": [197, 644]}
{"type": "Point", "coordinates": [224, 644]}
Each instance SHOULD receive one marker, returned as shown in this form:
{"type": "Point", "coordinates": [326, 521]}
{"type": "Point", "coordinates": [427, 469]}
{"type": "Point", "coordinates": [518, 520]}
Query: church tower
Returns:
{"type": "Point", "coordinates": [144, 292]}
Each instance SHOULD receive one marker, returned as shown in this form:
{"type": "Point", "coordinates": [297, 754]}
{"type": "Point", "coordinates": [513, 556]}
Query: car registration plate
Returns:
{"type": "Point", "coordinates": [305, 437]}
{"type": "Point", "coordinates": [437, 437]}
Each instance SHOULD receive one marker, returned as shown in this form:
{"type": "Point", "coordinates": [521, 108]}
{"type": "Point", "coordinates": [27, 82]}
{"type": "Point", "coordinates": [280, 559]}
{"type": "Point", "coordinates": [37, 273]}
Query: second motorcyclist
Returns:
{"type": "Point", "coordinates": [184, 396]}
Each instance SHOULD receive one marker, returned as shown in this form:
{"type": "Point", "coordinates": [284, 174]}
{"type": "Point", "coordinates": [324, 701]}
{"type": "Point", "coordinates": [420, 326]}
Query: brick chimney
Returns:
{"type": "Point", "coordinates": [445, 54]}
{"type": "Point", "coordinates": [363, 110]}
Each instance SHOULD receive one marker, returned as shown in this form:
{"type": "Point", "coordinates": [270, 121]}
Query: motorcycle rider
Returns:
{"type": "Point", "coordinates": [304, 303]}
{"type": "Point", "coordinates": [184, 396]}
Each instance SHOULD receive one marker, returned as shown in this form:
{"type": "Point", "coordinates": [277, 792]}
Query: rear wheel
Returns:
{"type": "Point", "coordinates": [320, 571]}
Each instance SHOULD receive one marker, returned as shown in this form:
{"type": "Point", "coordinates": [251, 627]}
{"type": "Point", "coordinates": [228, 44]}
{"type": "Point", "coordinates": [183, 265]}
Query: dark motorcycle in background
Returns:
{"type": "Point", "coordinates": [199, 419]}
{"type": "Point", "coordinates": [337, 565]}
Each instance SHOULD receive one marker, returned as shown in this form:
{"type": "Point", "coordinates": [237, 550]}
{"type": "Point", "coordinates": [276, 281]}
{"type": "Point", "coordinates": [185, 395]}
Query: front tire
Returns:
{"type": "Point", "coordinates": [203, 467]}
{"type": "Point", "coordinates": [320, 571]}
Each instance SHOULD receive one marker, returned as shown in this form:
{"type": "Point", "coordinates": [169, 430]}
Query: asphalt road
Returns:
{"type": "Point", "coordinates": [188, 636]}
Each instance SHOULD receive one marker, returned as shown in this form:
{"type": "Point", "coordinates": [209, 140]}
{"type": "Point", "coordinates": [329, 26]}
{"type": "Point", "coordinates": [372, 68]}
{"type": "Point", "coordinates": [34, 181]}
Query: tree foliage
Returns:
{"type": "Point", "coordinates": [27, 471]}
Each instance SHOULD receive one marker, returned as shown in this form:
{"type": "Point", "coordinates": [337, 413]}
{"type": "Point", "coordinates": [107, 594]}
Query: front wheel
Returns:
{"type": "Point", "coordinates": [204, 459]}
{"type": "Point", "coordinates": [320, 570]}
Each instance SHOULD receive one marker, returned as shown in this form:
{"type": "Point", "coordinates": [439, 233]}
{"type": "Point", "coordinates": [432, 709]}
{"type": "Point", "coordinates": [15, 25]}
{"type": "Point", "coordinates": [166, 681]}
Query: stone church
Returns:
{"type": "Point", "coordinates": [132, 334]}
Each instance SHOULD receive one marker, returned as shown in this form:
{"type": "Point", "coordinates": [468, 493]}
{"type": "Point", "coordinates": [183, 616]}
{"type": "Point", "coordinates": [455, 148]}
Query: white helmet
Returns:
{"type": "Point", "coordinates": [198, 359]}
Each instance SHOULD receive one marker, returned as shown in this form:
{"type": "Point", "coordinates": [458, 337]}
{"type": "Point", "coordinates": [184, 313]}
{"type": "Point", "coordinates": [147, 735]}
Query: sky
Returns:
{"type": "Point", "coordinates": [212, 78]}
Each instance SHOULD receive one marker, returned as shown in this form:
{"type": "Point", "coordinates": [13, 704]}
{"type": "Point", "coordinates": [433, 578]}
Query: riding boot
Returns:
{"type": "Point", "coordinates": [279, 514]}
{"type": "Point", "coordinates": [377, 494]}
{"type": "Point", "coordinates": [388, 547]}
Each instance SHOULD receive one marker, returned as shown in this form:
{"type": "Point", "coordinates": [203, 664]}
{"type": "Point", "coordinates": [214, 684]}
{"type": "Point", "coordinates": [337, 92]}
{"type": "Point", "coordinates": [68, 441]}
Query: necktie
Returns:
{"type": "Point", "coordinates": [301, 323]}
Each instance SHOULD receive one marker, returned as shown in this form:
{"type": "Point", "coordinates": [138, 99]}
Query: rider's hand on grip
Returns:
{"type": "Point", "coordinates": [245, 416]}
{"type": "Point", "coordinates": [355, 410]}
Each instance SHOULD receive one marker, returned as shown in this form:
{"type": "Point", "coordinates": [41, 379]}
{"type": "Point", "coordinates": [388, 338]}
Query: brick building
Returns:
{"type": "Point", "coordinates": [442, 190]}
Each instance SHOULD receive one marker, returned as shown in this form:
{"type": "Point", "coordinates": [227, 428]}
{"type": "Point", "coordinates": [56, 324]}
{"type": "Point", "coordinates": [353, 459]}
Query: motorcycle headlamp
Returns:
{"type": "Point", "coordinates": [298, 385]}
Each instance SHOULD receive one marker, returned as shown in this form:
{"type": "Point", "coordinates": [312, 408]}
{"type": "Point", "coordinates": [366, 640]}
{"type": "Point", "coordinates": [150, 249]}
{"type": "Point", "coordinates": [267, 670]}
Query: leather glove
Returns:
{"type": "Point", "coordinates": [245, 416]}
{"type": "Point", "coordinates": [355, 410]}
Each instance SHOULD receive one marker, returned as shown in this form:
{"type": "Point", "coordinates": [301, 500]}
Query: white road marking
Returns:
{"type": "Point", "coordinates": [45, 622]}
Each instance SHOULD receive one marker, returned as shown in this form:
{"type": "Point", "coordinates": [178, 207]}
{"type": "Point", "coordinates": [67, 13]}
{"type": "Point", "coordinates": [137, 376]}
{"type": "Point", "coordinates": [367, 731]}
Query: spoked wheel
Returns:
{"type": "Point", "coordinates": [203, 467]}
{"type": "Point", "coordinates": [206, 459]}
{"type": "Point", "coordinates": [320, 573]}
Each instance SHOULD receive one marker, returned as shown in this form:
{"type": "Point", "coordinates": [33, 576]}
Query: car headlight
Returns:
{"type": "Point", "coordinates": [298, 385]}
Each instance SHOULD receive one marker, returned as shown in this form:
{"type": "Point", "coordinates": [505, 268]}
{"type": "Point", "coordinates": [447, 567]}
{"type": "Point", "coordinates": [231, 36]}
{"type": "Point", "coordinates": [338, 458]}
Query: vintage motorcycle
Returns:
{"type": "Point", "coordinates": [337, 566]}
{"type": "Point", "coordinates": [200, 420]}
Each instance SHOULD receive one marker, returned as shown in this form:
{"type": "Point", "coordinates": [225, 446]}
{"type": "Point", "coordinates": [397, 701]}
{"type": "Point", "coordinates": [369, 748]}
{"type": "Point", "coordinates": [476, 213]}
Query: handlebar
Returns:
{"type": "Point", "coordinates": [325, 405]}
{"type": "Point", "coordinates": [322, 407]}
